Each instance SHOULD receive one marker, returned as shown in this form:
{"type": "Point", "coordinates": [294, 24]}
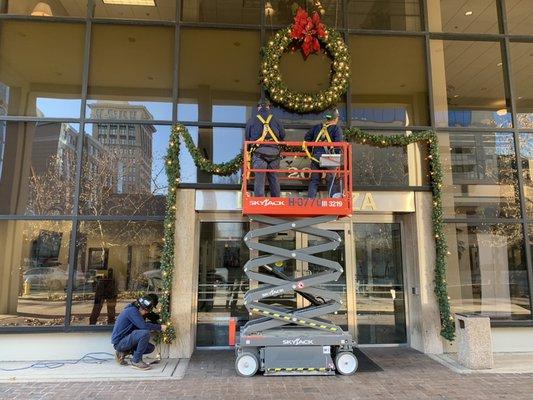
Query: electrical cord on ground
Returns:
{"type": "Point", "coordinates": [88, 358]}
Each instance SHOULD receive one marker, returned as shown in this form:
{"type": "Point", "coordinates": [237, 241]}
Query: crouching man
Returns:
{"type": "Point", "coordinates": [131, 334]}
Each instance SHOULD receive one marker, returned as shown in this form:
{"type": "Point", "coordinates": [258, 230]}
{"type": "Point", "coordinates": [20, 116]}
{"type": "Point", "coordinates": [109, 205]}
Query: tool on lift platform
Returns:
{"type": "Point", "coordinates": [282, 340]}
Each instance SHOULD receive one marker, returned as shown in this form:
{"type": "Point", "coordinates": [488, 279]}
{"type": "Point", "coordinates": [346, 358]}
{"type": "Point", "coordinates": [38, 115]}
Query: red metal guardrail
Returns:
{"type": "Point", "coordinates": [299, 206]}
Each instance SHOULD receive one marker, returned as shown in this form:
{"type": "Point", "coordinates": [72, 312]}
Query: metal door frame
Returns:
{"type": "Point", "coordinates": [379, 218]}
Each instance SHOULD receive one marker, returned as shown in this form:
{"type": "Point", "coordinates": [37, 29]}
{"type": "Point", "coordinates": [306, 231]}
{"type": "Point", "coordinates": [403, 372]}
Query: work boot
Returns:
{"type": "Point", "coordinates": [120, 357]}
{"type": "Point", "coordinates": [140, 365]}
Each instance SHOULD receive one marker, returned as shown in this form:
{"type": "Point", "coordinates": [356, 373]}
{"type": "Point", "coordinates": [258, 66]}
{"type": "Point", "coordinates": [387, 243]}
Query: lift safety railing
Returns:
{"type": "Point", "coordinates": [340, 205]}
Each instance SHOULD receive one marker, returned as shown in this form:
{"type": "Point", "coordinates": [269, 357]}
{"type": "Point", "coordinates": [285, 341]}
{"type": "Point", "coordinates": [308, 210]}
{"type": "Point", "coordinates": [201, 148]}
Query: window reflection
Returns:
{"type": "Point", "coordinates": [221, 281]}
{"type": "Point", "coordinates": [389, 81]}
{"type": "Point", "coordinates": [47, 8]}
{"type": "Point", "coordinates": [396, 15]}
{"type": "Point", "coordinates": [115, 262]}
{"type": "Point", "coordinates": [526, 157]}
{"type": "Point", "coordinates": [480, 175]}
{"type": "Point", "coordinates": [468, 84]}
{"type": "Point", "coordinates": [164, 10]}
{"type": "Point", "coordinates": [221, 11]}
{"type": "Point", "coordinates": [223, 91]}
{"type": "Point", "coordinates": [34, 79]}
{"type": "Point", "coordinates": [522, 74]}
{"type": "Point", "coordinates": [217, 144]}
{"type": "Point", "coordinates": [486, 270]}
{"type": "Point", "coordinates": [123, 169]}
{"type": "Point", "coordinates": [33, 272]}
{"type": "Point", "coordinates": [131, 65]}
{"type": "Point", "coordinates": [464, 16]}
{"type": "Point", "coordinates": [380, 166]}
{"type": "Point", "coordinates": [380, 293]}
{"type": "Point", "coordinates": [38, 175]}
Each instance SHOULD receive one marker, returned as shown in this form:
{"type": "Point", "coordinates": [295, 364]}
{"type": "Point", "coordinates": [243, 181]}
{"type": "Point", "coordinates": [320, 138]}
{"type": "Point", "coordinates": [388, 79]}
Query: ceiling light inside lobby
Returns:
{"type": "Point", "coordinates": [469, 13]}
{"type": "Point", "coordinates": [150, 3]}
{"type": "Point", "coordinates": [41, 10]}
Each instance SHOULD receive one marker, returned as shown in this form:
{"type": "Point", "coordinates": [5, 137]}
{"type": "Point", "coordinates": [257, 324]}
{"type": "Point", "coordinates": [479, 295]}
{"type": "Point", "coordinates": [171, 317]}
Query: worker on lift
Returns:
{"type": "Point", "coordinates": [328, 131]}
{"type": "Point", "coordinates": [265, 127]}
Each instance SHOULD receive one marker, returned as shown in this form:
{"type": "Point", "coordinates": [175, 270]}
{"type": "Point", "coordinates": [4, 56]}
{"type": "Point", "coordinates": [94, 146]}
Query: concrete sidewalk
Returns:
{"type": "Point", "coordinates": [504, 363]}
{"type": "Point", "coordinates": [100, 368]}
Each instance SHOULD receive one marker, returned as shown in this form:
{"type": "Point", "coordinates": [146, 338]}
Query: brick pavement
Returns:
{"type": "Point", "coordinates": [406, 375]}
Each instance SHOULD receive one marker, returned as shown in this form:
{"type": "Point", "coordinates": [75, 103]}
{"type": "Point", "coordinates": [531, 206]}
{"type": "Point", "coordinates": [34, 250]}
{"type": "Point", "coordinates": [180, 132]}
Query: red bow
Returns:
{"type": "Point", "coordinates": [307, 30]}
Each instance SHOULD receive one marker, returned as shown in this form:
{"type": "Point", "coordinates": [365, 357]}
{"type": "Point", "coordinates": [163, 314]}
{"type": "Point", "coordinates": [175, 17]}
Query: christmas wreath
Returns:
{"type": "Point", "coordinates": [310, 36]}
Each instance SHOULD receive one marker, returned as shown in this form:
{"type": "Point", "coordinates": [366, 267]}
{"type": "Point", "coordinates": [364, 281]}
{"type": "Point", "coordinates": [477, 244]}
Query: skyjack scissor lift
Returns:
{"type": "Point", "coordinates": [301, 341]}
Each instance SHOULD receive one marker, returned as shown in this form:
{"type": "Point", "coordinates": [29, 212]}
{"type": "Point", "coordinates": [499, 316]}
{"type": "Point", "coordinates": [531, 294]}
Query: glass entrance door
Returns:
{"type": "Point", "coordinates": [379, 289]}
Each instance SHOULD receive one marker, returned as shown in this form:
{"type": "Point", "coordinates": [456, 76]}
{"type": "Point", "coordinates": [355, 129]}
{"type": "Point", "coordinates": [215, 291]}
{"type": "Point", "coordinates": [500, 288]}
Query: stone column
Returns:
{"type": "Point", "coordinates": [185, 277]}
{"type": "Point", "coordinates": [424, 320]}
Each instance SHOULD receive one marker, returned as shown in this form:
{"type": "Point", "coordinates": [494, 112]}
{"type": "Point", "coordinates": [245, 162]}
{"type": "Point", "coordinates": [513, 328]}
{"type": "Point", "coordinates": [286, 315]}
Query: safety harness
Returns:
{"type": "Point", "coordinates": [323, 136]}
{"type": "Point", "coordinates": [267, 132]}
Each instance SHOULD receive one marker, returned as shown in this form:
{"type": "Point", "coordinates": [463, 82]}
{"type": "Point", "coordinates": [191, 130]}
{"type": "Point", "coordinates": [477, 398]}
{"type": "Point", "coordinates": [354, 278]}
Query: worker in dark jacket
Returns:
{"type": "Point", "coordinates": [264, 127]}
{"type": "Point", "coordinates": [329, 131]}
{"type": "Point", "coordinates": [132, 334]}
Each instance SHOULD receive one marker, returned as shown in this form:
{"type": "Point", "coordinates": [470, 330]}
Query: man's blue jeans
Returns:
{"type": "Point", "coordinates": [138, 342]}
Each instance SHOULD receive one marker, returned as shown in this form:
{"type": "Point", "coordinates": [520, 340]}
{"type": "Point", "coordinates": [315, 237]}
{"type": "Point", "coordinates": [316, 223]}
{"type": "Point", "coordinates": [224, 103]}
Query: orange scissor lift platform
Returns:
{"type": "Point", "coordinates": [300, 206]}
{"type": "Point", "coordinates": [282, 340]}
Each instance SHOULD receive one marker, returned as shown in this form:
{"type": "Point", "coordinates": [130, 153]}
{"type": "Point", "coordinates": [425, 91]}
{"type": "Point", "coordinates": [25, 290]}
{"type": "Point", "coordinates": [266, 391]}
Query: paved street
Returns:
{"type": "Point", "coordinates": [406, 375]}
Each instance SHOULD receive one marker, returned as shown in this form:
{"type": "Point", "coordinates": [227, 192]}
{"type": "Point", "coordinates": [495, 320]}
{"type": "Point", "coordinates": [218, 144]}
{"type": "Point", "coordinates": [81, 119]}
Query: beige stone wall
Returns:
{"type": "Point", "coordinates": [185, 278]}
{"type": "Point", "coordinates": [423, 314]}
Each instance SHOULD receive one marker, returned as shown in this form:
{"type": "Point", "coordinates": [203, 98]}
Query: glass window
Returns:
{"type": "Point", "coordinates": [164, 10]}
{"type": "Point", "coordinates": [221, 281]}
{"type": "Point", "coordinates": [131, 72]}
{"type": "Point", "coordinates": [46, 8]}
{"type": "Point", "coordinates": [380, 293]}
{"type": "Point", "coordinates": [468, 84]}
{"type": "Point", "coordinates": [519, 17]}
{"type": "Point", "coordinates": [41, 176]}
{"type": "Point", "coordinates": [526, 157]}
{"type": "Point", "coordinates": [216, 144]}
{"type": "Point", "coordinates": [380, 166]}
{"type": "Point", "coordinates": [124, 177]}
{"type": "Point", "coordinates": [463, 16]}
{"type": "Point", "coordinates": [223, 91]}
{"type": "Point", "coordinates": [33, 272]}
{"type": "Point", "coordinates": [486, 271]}
{"type": "Point", "coordinates": [115, 262]}
{"type": "Point", "coordinates": [388, 80]}
{"type": "Point", "coordinates": [522, 74]}
{"type": "Point", "coordinates": [221, 11]}
{"type": "Point", "coordinates": [41, 68]}
{"type": "Point", "coordinates": [396, 15]}
{"type": "Point", "coordinates": [282, 12]}
{"type": "Point", "coordinates": [480, 175]}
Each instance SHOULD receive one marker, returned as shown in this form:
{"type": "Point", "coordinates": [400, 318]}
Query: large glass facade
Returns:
{"type": "Point", "coordinates": [89, 92]}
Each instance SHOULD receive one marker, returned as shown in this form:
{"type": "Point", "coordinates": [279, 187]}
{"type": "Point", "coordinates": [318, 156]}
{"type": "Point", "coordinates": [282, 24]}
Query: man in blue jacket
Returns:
{"type": "Point", "coordinates": [326, 132]}
{"type": "Point", "coordinates": [264, 127]}
{"type": "Point", "coordinates": [131, 332]}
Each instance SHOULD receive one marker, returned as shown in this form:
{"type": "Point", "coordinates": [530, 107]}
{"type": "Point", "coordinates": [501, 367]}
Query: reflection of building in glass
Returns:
{"type": "Point", "coordinates": [132, 143]}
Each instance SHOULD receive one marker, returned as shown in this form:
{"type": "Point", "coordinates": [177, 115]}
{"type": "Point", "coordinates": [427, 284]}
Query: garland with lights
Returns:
{"type": "Point", "coordinates": [180, 133]}
{"type": "Point", "coordinates": [310, 35]}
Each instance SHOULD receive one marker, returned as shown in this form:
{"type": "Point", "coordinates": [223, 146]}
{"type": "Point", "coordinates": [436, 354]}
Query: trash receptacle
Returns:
{"type": "Point", "coordinates": [474, 341]}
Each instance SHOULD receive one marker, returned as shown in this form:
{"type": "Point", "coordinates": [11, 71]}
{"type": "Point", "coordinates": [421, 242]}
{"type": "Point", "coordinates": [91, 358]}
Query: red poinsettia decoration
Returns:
{"type": "Point", "coordinates": [307, 30]}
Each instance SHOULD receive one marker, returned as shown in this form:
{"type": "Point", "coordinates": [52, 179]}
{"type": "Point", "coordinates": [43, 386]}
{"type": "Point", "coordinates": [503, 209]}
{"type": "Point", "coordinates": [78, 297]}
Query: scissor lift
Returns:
{"type": "Point", "coordinates": [288, 341]}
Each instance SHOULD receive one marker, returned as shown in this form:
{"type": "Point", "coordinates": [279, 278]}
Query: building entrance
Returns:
{"type": "Point", "coordinates": [373, 300]}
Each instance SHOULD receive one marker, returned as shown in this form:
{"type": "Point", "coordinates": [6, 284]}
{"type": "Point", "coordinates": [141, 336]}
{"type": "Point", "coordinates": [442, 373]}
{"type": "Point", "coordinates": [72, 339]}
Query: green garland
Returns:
{"type": "Point", "coordinates": [279, 93]}
{"type": "Point", "coordinates": [180, 132]}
